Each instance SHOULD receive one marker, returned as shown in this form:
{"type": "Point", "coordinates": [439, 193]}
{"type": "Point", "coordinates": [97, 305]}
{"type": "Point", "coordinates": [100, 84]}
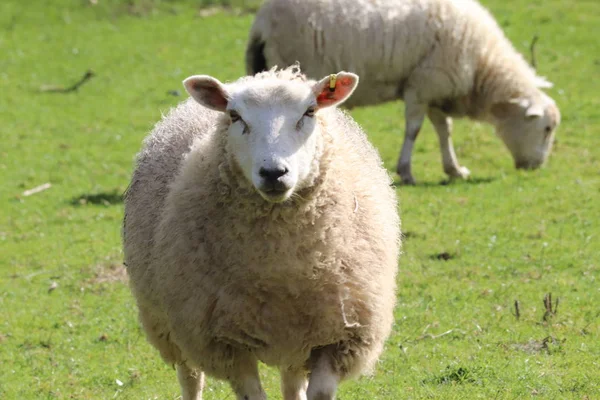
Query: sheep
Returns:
{"type": "Point", "coordinates": [445, 58]}
{"type": "Point", "coordinates": [261, 225]}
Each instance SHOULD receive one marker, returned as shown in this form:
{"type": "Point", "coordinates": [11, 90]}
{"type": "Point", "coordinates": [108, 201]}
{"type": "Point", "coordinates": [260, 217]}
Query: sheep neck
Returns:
{"type": "Point", "coordinates": [495, 84]}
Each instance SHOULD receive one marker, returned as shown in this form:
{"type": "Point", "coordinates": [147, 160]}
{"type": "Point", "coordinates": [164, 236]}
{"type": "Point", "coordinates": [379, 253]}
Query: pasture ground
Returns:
{"type": "Point", "coordinates": [68, 328]}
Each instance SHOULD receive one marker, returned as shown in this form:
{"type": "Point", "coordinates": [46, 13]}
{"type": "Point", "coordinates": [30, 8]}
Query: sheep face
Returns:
{"type": "Point", "coordinates": [273, 132]}
{"type": "Point", "coordinates": [527, 127]}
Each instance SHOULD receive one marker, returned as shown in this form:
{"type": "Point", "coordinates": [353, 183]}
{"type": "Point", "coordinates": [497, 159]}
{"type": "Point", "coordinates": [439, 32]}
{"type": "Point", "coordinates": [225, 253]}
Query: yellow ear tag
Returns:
{"type": "Point", "coordinates": [332, 79]}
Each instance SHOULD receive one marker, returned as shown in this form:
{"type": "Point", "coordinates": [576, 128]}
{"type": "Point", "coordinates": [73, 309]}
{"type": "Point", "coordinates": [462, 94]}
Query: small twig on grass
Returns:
{"type": "Point", "coordinates": [61, 89]}
{"type": "Point", "coordinates": [52, 286]}
{"type": "Point", "coordinates": [37, 189]}
{"type": "Point", "coordinates": [34, 274]}
{"type": "Point", "coordinates": [517, 311]}
{"type": "Point", "coordinates": [449, 331]}
{"type": "Point", "coordinates": [426, 329]}
{"type": "Point", "coordinates": [430, 336]}
{"type": "Point", "coordinates": [532, 51]}
{"type": "Point", "coordinates": [548, 306]}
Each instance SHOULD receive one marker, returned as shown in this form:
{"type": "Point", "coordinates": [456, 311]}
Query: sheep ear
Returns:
{"type": "Point", "coordinates": [335, 89]}
{"type": "Point", "coordinates": [515, 107]}
{"type": "Point", "coordinates": [534, 111]}
{"type": "Point", "coordinates": [207, 91]}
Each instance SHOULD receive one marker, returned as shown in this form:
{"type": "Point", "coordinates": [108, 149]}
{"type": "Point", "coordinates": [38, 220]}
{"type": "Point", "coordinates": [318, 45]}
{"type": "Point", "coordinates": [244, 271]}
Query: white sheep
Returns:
{"type": "Point", "coordinates": [444, 58]}
{"type": "Point", "coordinates": [261, 226]}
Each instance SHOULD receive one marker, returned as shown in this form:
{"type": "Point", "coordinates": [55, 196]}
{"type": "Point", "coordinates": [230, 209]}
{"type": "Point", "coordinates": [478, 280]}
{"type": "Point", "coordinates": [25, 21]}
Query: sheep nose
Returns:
{"type": "Point", "coordinates": [273, 174]}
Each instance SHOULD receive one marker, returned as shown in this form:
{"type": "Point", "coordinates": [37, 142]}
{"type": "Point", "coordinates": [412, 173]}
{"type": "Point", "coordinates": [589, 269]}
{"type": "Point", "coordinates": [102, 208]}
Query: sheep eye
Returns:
{"type": "Point", "coordinates": [310, 112]}
{"type": "Point", "coordinates": [235, 117]}
{"type": "Point", "coordinates": [547, 130]}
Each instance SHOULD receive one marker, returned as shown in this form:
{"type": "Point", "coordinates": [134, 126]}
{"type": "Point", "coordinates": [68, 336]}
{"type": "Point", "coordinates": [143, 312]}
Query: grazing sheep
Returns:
{"type": "Point", "coordinates": [445, 58]}
{"type": "Point", "coordinates": [261, 226]}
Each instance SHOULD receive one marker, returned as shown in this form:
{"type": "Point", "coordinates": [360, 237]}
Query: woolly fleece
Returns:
{"type": "Point", "coordinates": [451, 53]}
{"type": "Point", "coordinates": [219, 273]}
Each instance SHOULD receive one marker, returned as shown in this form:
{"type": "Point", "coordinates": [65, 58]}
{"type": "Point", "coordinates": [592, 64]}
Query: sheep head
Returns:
{"type": "Point", "coordinates": [273, 133]}
{"type": "Point", "coordinates": [527, 126]}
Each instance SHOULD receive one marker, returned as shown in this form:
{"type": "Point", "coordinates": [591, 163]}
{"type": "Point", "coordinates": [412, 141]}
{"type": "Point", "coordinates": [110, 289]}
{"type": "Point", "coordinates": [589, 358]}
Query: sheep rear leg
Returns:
{"type": "Point", "coordinates": [244, 378]}
{"type": "Point", "coordinates": [293, 384]}
{"type": "Point", "coordinates": [324, 380]}
{"type": "Point", "coordinates": [191, 382]}
{"type": "Point", "coordinates": [415, 115]}
{"type": "Point", "coordinates": [443, 127]}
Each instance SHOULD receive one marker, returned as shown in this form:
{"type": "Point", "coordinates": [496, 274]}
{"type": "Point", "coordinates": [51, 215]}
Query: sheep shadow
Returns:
{"type": "Point", "coordinates": [445, 182]}
{"type": "Point", "coordinates": [100, 199]}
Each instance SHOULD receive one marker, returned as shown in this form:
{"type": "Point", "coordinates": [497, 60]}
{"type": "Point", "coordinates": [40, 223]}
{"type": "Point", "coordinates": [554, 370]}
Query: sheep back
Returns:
{"type": "Point", "coordinates": [440, 48]}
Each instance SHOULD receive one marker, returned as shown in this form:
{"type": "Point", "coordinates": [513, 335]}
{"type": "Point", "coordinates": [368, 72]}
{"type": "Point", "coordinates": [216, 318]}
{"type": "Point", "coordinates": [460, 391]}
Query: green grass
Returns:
{"type": "Point", "coordinates": [509, 235]}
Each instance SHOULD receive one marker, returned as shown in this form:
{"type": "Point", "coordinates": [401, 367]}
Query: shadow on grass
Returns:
{"type": "Point", "coordinates": [443, 256]}
{"type": "Point", "coordinates": [412, 235]}
{"type": "Point", "coordinates": [446, 182]}
{"type": "Point", "coordinates": [453, 376]}
{"type": "Point", "coordinates": [100, 199]}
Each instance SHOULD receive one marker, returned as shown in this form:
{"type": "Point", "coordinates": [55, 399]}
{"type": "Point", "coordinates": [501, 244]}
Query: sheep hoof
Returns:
{"type": "Point", "coordinates": [407, 180]}
{"type": "Point", "coordinates": [405, 173]}
{"type": "Point", "coordinates": [459, 173]}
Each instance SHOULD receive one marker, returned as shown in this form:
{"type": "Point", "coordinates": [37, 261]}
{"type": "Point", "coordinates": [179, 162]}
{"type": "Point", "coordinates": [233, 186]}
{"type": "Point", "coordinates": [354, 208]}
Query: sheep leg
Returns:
{"type": "Point", "coordinates": [245, 380]}
{"type": "Point", "coordinates": [293, 384]}
{"type": "Point", "coordinates": [323, 381]}
{"type": "Point", "coordinates": [443, 126]}
{"type": "Point", "coordinates": [415, 114]}
{"type": "Point", "coordinates": [191, 382]}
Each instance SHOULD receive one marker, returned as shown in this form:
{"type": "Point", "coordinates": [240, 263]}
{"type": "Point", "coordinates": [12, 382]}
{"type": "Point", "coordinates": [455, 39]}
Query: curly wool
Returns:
{"type": "Point", "coordinates": [214, 267]}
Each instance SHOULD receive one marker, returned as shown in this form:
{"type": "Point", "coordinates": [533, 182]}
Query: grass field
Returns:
{"type": "Point", "coordinates": [68, 326]}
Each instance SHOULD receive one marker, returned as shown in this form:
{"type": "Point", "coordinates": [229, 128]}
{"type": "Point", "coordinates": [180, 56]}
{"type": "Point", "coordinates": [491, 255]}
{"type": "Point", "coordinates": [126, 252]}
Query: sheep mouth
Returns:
{"type": "Point", "coordinates": [274, 195]}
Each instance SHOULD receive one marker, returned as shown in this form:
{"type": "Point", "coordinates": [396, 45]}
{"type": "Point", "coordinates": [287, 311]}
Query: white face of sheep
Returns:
{"type": "Point", "coordinates": [527, 127]}
{"type": "Point", "coordinates": [273, 126]}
